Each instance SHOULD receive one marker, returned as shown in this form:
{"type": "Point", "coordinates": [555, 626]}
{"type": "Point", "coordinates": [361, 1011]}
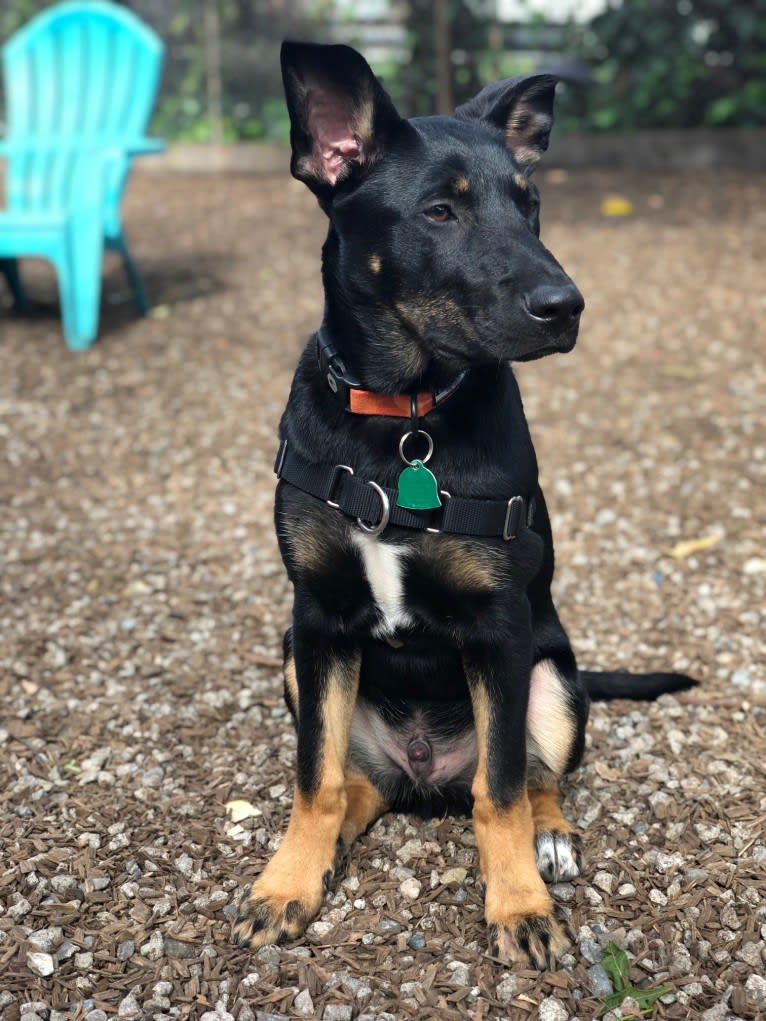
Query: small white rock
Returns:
{"type": "Point", "coordinates": [630, 1008]}
{"type": "Point", "coordinates": [154, 947]}
{"type": "Point", "coordinates": [750, 953]}
{"type": "Point", "coordinates": [604, 881]}
{"type": "Point", "coordinates": [507, 988]}
{"type": "Point", "coordinates": [303, 1005]}
{"type": "Point", "coordinates": [461, 973]}
{"type": "Point", "coordinates": [21, 908]}
{"type": "Point", "coordinates": [219, 1014]}
{"type": "Point", "coordinates": [718, 1013]}
{"type": "Point", "coordinates": [410, 888]}
{"type": "Point", "coordinates": [239, 810]}
{"type": "Point", "coordinates": [409, 850]}
{"type": "Point", "coordinates": [729, 917]}
{"type": "Point", "coordinates": [755, 987]}
{"type": "Point", "coordinates": [48, 938]}
{"type": "Point", "coordinates": [41, 964]}
{"type": "Point", "coordinates": [185, 865]}
{"type": "Point", "coordinates": [552, 1010]}
{"type": "Point", "coordinates": [454, 875]}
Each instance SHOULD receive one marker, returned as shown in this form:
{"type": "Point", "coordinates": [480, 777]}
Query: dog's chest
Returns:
{"type": "Point", "coordinates": [433, 584]}
{"type": "Point", "coordinates": [384, 569]}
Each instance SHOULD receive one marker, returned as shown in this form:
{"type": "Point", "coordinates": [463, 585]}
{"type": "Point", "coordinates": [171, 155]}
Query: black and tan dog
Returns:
{"type": "Point", "coordinates": [426, 667]}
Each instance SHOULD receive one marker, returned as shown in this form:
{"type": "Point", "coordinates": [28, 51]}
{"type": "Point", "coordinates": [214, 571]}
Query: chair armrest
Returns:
{"type": "Point", "coordinates": [107, 147]}
{"type": "Point", "coordinates": [145, 146]}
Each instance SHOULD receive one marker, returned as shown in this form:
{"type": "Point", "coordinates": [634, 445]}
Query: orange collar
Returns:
{"type": "Point", "coordinates": [365, 402]}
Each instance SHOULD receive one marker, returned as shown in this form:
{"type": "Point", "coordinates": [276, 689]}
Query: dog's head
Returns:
{"type": "Point", "coordinates": [434, 250]}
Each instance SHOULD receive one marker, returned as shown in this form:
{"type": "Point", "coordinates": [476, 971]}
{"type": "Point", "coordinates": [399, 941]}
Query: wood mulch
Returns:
{"type": "Point", "coordinates": [142, 603]}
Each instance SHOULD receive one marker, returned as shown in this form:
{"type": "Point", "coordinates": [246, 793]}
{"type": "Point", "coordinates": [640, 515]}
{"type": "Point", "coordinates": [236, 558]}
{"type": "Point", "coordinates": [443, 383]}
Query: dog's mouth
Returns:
{"type": "Point", "coordinates": [562, 346]}
{"type": "Point", "coordinates": [521, 349]}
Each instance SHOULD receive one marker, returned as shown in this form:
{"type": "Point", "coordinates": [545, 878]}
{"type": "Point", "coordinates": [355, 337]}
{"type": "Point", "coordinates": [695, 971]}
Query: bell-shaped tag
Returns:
{"type": "Point", "coordinates": [417, 488]}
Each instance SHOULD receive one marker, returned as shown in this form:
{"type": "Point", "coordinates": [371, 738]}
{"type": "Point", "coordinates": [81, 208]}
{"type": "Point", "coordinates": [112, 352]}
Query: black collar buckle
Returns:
{"type": "Point", "coordinates": [334, 370]}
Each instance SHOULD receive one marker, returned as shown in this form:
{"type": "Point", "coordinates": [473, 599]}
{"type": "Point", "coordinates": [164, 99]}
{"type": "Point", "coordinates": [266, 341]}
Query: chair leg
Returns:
{"type": "Point", "coordinates": [139, 291]}
{"type": "Point", "coordinates": [79, 274]}
{"type": "Point", "coordinates": [10, 268]}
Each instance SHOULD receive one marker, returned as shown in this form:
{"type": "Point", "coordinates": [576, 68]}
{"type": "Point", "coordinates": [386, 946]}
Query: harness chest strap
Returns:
{"type": "Point", "coordinates": [375, 506]}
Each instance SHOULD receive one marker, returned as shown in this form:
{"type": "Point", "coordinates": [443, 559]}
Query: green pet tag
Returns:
{"type": "Point", "coordinates": [417, 488]}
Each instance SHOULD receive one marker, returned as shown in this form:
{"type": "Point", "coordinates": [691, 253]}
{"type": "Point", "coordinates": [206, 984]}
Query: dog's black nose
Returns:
{"type": "Point", "coordinates": [559, 306]}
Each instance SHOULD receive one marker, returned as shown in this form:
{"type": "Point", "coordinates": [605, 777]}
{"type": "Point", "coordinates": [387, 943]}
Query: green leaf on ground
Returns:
{"type": "Point", "coordinates": [616, 965]}
{"type": "Point", "coordinates": [645, 998]}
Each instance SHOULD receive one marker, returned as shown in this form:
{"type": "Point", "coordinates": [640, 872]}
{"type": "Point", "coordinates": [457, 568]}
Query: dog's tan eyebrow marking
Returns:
{"type": "Point", "coordinates": [461, 185]}
{"type": "Point", "coordinates": [374, 263]}
{"type": "Point", "coordinates": [521, 182]}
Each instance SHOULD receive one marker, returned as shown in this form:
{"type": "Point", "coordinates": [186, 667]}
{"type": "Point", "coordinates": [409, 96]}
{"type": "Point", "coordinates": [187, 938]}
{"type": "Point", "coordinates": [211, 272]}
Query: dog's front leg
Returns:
{"type": "Point", "coordinates": [290, 890]}
{"type": "Point", "coordinates": [524, 924]}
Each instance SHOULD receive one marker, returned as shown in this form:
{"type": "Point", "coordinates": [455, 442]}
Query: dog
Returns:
{"type": "Point", "coordinates": [426, 667]}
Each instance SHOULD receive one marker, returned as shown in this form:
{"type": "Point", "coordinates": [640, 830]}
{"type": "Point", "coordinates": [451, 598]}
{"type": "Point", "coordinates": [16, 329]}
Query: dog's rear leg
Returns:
{"type": "Point", "coordinates": [524, 924]}
{"type": "Point", "coordinates": [558, 847]}
{"type": "Point", "coordinates": [364, 804]}
{"type": "Point", "coordinates": [290, 890]}
{"type": "Point", "coordinates": [552, 736]}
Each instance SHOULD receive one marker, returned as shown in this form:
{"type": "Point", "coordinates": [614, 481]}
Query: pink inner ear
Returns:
{"type": "Point", "coordinates": [336, 143]}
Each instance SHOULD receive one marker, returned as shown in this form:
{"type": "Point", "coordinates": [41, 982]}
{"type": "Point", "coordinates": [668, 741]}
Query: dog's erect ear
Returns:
{"type": "Point", "coordinates": [340, 115]}
{"type": "Point", "coordinates": [523, 110]}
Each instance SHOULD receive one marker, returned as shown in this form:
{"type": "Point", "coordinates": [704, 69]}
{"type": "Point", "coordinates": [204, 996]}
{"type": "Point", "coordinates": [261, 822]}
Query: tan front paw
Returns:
{"type": "Point", "coordinates": [269, 917]}
{"type": "Point", "coordinates": [531, 940]}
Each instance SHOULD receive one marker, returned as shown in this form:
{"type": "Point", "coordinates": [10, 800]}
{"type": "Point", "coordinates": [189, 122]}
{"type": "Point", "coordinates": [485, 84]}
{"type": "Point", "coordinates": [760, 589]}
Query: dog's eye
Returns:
{"type": "Point", "coordinates": [439, 213]}
{"type": "Point", "coordinates": [533, 207]}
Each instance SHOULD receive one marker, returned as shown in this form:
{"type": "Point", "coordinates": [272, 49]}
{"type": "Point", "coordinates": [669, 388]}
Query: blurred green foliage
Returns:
{"type": "Point", "coordinates": [678, 64]}
{"type": "Point", "coordinates": [657, 63]}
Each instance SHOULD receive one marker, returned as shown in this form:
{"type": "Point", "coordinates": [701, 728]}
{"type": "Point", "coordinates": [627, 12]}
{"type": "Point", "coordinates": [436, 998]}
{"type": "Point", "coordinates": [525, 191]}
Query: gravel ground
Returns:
{"type": "Point", "coordinates": [143, 603]}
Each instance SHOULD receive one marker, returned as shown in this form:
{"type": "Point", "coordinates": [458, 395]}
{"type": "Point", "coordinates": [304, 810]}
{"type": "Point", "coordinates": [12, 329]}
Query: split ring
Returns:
{"type": "Point", "coordinates": [429, 452]}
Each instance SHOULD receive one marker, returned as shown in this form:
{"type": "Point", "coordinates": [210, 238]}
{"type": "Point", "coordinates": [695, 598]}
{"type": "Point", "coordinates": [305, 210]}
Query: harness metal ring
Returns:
{"type": "Point", "coordinates": [420, 432]}
{"type": "Point", "coordinates": [513, 514]}
{"type": "Point", "coordinates": [447, 496]}
{"type": "Point", "coordinates": [385, 513]}
{"type": "Point", "coordinates": [334, 485]}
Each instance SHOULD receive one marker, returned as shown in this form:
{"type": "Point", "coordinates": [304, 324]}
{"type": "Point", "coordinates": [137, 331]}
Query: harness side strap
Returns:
{"type": "Point", "coordinates": [338, 486]}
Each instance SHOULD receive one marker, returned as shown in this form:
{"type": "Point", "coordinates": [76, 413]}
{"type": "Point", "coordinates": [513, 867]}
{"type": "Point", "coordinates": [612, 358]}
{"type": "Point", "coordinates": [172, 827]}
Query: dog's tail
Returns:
{"type": "Point", "coordinates": [602, 685]}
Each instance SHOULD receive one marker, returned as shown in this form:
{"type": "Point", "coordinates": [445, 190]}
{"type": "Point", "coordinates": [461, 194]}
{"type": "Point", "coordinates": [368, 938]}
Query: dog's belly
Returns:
{"type": "Point", "coordinates": [413, 751]}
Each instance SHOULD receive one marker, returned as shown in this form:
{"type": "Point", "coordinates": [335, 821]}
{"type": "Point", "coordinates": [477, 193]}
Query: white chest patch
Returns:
{"type": "Point", "coordinates": [383, 563]}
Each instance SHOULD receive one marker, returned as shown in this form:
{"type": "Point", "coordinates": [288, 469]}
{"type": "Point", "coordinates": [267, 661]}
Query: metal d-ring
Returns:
{"type": "Point", "coordinates": [420, 432]}
{"type": "Point", "coordinates": [385, 512]}
{"type": "Point", "coordinates": [334, 483]}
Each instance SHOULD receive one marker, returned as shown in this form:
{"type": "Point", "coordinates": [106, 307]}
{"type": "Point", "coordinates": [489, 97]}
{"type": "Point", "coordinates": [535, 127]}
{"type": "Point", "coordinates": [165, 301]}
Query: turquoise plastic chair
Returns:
{"type": "Point", "coordinates": [80, 84]}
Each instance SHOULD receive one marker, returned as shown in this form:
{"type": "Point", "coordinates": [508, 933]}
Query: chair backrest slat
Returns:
{"type": "Point", "coordinates": [81, 74]}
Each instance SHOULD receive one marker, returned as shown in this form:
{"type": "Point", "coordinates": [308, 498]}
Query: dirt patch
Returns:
{"type": "Point", "coordinates": [142, 604]}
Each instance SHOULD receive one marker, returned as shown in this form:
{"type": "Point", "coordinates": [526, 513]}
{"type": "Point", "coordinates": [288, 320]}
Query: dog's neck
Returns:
{"type": "Point", "coordinates": [379, 346]}
{"type": "Point", "coordinates": [355, 398]}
